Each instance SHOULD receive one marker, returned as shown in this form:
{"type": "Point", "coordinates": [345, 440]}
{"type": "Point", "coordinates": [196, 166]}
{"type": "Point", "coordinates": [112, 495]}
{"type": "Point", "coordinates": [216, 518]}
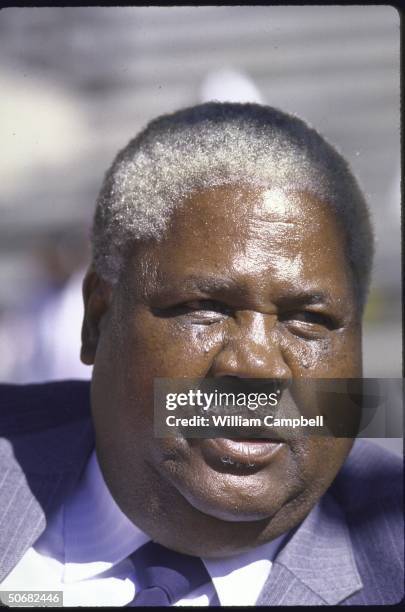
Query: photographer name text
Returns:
{"type": "Point", "coordinates": [216, 420]}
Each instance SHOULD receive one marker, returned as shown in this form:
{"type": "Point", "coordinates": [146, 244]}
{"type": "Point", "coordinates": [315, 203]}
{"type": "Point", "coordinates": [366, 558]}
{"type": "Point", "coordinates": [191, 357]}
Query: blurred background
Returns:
{"type": "Point", "coordinates": [78, 83]}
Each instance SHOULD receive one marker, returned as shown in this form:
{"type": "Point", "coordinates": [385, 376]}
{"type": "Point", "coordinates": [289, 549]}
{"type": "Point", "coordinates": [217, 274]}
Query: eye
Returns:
{"type": "Point", "coordinates": [207, 308]}
{"type": "Point", "coordinates": [309, 323]}
{"type": "Point", "coordinates": [315, 318]}
{"type": "Point", "coordinates": [198, 311]}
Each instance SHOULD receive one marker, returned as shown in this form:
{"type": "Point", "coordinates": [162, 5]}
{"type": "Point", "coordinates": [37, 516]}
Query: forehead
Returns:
{"type": "Point", "coordinates": [251, 234]}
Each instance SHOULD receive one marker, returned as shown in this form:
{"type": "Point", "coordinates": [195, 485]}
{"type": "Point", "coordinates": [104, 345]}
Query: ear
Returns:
{"type": "Point", "coordinates": [96, 297]}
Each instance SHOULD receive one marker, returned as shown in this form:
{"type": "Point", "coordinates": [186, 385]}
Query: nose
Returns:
{"type": "Point", "coordinates": [251, 350]}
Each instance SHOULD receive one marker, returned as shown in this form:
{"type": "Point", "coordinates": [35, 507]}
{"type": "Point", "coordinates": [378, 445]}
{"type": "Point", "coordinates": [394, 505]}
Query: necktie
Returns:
{"type": "Point", "coordinates": [165, 576]}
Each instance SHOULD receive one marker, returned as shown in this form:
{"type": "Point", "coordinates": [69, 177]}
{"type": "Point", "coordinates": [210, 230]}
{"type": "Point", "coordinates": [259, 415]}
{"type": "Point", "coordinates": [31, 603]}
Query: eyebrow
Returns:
{"type": "Point", "coordinates": [215, 284]}
{"type": "Point", "coordinates": [307, 297]}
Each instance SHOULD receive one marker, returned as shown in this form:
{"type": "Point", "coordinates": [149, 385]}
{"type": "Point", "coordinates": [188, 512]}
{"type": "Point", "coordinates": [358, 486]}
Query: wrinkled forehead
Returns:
{"type": "Point", "coordinates": [242, 209]}
{"type": "Point", "coordinates": [249, 233]}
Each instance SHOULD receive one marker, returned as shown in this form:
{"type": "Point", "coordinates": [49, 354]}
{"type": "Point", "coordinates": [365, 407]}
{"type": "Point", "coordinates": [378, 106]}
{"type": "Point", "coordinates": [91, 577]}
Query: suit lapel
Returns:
{"type": "Point", "coordinates": [22, 516]}
{"type": "Point", "coordinates": [37, 472]}
{"type": "Point", "coordinates": [316, 566]}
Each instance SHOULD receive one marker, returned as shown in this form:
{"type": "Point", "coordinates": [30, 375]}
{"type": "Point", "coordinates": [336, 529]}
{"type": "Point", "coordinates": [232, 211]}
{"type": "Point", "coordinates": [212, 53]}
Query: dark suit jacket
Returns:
{"type": "Point", "coordinates": [348, 550]}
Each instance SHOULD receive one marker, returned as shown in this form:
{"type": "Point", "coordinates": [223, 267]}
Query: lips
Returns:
{"type": "Point", "coordinates": [240, 453]}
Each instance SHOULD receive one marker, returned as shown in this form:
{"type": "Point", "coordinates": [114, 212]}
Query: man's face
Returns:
{"type": "Point", "coordinates": [246, 283]}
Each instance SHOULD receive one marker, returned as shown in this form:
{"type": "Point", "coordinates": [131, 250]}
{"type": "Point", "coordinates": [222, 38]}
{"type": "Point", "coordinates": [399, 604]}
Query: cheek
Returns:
{"type": "Point", "coordinates": [336, 356]}
{"type": "Point", "coordinates": [165, 347]}
{"type": "Point", "coordinates": [130, 357]}
{"type": "Point", "coordinates": [321, 459]}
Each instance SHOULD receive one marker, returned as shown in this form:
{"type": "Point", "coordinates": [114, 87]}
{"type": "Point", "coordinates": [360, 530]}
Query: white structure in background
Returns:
{"type": "Point", "coordinates": [43, 128]}
{"type": "Point", "coordinates": [228, 85]}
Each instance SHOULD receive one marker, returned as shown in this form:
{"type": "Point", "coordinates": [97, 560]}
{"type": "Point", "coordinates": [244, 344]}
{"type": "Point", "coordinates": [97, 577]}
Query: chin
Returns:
{"type": "Point", "coordinates": [237, 493]}
{"type": "Point", "coordinates": [234, 498]}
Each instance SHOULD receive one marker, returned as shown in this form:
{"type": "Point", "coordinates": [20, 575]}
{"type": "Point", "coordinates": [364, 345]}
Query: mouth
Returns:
{"type": "Point", "coordinates": [238, 454]}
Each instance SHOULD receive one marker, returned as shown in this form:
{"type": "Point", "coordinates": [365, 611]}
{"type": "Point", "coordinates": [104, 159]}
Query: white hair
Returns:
{"type": "Point", "coordinates": [217, 144]}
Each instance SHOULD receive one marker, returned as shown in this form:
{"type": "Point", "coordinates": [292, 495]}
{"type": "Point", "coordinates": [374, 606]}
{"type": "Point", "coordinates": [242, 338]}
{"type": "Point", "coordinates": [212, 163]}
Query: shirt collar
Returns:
{"type": "Point", "coordinates": [98, 535]}
{"type": "Point", "coordinates": [251, 569]}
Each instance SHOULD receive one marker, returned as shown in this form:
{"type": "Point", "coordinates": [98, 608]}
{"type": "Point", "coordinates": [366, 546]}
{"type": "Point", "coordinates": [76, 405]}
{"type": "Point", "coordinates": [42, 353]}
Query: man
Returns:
{"type": "Point", "coordinates": [229, 240]}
